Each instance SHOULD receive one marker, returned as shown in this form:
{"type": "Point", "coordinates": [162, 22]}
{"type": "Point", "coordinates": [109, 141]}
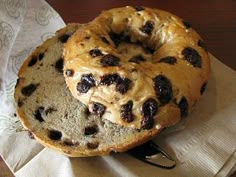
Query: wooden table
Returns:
{"type": "Point", "coordinates": [214, 20]}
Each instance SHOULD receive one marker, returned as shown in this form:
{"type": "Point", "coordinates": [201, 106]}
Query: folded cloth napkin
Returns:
{"type": "Point", "coordinates": [206, 146]}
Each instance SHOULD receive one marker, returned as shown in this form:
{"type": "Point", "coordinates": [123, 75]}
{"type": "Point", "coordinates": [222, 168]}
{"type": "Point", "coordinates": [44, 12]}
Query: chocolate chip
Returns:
{"type": "Point", "coordinates": [17, 82]}
{"type": "Point", "coordinates": [192, 56]}
{"type": "Point", "coordinates": [183, 105]}
{"type": "Point", "coordinates": [88, 78]}
{"type": "Point", "coordinates": [105, 40]}
{"type": "Point", "coordinates": [64, 38]}
{"type": "Point", "coordinates": [87, 81]}
{"type": "Point", "coordinates": [30, 134]}
{"type": "Point", "coordinates": [170, 60]}
{"type": "Point", "coordinates": [118, 38]}
{"type": "Point", "coordinates": [50, 110]}
{"type": "Point", "coordinates": [201, 44]}
{"type": "Point", "coordinates": [68, 143]}
{"type": "Point", "coordinates": [149, 50]}
{"type": "Point", "coordinates": [91, 130]}
{"type": "Point", "coordinates": [147, 27]}
{"type": "Point", "coordinates": [59, 65]}
{"type": "Point", "coordinates": [187, 25]}
{"type": "Point", "coordinates": [203, 88]}
{"type": "Point", "coordinates": [98, 108]}
{"type": "Point", "coordinates": [67, 152]}
{"type": "Point", "coordinates": [87, 37]}
{"type": "Point", "coordinates": [54, 134]}
{"type": "Point", "coordinates": [109, 79]}
{"type": "Point", "coordinates": [38, 114]}
{"type": "Point", "coordinates": [87, 112]}
{"type": "Point", "coordinates": [33, 61]}
{"type": "Point", "coordinates": [110, 60]}
{"type": "Point", "coordinates": [124, 38]}
{"type": "Point", "coordinates": [138, 8]}
{"type": "Point", "coordinates": [149, 108]}
{"type": "Point", "coordinates": [92, 145]}
{"type": "Point", "coordinates": [83, 87]}
{"type": "Point", "coordinates": [139, 43]}
{"type": "Point", "coordinates": [19, 103]}
{"type": "Point", "coordinates": [40, 57]}
{"type": "Point", "coordinates": [123, 85]}
{"type": "Point", "coordinates": [69, 72]}
{"type": "Point", "coordinates": [95, 53]}
{"type": "Point", "coordinates": [147, 123]}
{"type": "Point", "coordinates": [126, 111]}
{"type": "Point", "coordinates": [15, 115]}
{"type": "Point", "coordinates": [137, 59]}
{"type": "Point", "coordinates": [29, 89]}
{"type": "Point", "coordinates": [163, 88]}
{"type": "Point", "coordinates": [115, 38]}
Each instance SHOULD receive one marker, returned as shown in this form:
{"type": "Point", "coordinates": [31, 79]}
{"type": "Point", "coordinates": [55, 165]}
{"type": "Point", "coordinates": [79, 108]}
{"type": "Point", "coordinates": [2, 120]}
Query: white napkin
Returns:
{"type": "Point", "coordinates": [205, 147]}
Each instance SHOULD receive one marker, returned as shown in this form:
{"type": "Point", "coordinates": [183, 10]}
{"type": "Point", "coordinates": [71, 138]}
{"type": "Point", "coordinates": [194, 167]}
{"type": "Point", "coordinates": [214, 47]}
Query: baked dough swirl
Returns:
{"type": "Point", "coordinates": [136, 66]}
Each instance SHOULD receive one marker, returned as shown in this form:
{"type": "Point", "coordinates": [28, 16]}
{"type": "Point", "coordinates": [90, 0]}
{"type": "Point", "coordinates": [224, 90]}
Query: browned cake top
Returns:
{"type": "Point", "coordinates": [137, 67]}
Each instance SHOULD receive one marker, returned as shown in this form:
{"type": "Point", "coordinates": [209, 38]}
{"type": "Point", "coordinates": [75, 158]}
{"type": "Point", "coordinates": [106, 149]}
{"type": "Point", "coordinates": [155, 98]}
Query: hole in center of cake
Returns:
{"type": "Point", "coordinates": [132, 51]}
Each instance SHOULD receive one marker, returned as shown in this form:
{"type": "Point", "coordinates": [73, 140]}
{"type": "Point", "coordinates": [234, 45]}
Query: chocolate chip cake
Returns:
{"type": "Point", "coordinates": [56, 119]}
{"type": "Point", "coordinates": [137, 66]}
{"type": "Point", "coordinates": [111, 84]}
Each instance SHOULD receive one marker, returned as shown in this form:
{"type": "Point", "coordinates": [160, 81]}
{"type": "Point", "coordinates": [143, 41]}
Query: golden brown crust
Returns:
{"type": "Point", "coordinates": [135, 140]}
{"type": "Point", "coordinates": [167, 34]}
